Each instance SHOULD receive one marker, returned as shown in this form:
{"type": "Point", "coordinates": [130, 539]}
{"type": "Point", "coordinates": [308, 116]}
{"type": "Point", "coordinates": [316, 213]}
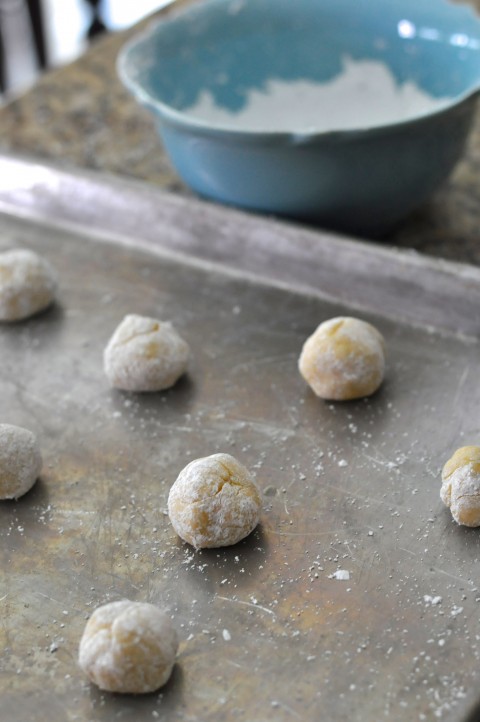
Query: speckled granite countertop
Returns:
{"type": "Point", "coordinates": [81, 115]}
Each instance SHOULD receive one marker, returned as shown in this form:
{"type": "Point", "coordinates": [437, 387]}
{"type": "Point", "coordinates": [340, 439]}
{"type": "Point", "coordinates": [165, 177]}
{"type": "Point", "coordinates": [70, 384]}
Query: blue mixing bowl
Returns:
{"type": "Point", "coordinates": [346, 112]}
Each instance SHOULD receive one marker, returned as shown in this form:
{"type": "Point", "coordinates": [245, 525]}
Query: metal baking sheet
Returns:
{"type": "Point", "coordinates": [267, 630]}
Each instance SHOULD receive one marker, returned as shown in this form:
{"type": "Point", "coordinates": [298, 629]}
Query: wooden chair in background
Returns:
{"type": "Point", "coordinates": [35, 14]}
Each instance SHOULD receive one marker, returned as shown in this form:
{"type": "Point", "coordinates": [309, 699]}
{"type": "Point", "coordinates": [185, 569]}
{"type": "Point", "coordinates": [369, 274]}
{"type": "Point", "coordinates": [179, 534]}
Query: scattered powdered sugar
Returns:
{"type": "Point", "coordinates": [433, 601]}
{"type": "Point", "coordinates": [342, 575]}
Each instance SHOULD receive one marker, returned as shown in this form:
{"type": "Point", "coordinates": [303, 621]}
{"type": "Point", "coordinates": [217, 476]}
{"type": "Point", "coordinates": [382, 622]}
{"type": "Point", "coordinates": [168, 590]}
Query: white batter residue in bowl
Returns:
{"type": "Point", "coordinates": [364, 95]}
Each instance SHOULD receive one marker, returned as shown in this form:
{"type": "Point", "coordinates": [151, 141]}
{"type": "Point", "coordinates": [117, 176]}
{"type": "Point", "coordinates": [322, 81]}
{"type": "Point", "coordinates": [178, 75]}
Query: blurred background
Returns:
{"type": "Point", "coordinates": [35, 34]}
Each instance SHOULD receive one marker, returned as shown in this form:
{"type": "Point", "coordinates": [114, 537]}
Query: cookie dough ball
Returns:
{"type": "Point", "coordinates": [145, 355]}
{"type": "Point", "coordinates": [461, 485]}
{"type": "Point", "coordinates": [214, 502]}
{"type": "Point", "coordinates": [343, 359]}
{"type": "Point", "coordinates": [20, 461]}
{"type": "Point", "coordinates": [128, 647]}
{"type": "Point", "coordinates": [27, 284]}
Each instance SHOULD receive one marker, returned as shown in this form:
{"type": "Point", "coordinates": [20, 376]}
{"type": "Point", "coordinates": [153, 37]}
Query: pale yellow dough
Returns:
{"type": "Point", "coordinates": [128, 647]}
{"type": "Point", "coordinates": [214, 502]}
{"type": "Point", "coordinates": [343, 359]}
{"type": "Point", "coordinates": [460, 489]}
{"type": "Point", "coordinates": [20, 461]}
{"type": "Point", "coordinates": [145, 354]}
{"type": "Point", "coordinates": [27, 284]}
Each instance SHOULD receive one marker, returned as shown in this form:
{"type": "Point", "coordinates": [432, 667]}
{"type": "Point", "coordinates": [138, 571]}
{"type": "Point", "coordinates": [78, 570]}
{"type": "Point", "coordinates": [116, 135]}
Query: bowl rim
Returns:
{"type": "Point", "coordinates": [166, 114]}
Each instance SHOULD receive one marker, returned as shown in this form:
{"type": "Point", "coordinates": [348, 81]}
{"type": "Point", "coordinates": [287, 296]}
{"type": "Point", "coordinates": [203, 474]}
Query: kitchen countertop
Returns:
{"type": "Point", "coordinates": [80, 115]}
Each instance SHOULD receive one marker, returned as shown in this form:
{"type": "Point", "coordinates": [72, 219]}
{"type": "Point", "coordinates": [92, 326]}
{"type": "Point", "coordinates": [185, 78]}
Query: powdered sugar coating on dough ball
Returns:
{"type": "Point", "coordinates": [20, 461]}
{"type": "Point", "coordinates": [27, 284]}
{"type": "Point", "coordinates": [343, 359]}
{"type": "Point", "coordinates": [145, 354]}
{"type": "Point", "coordinates": [214, 502]}
{"type": "Point", "coordinates": [460, 489]}
{"type": "Point", "coordinates": [128, 647]}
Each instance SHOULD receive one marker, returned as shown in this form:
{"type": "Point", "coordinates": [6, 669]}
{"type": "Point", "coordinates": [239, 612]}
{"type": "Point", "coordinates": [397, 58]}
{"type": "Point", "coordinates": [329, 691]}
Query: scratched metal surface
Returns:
{"type": "Point", "coordinates": [267, 631]}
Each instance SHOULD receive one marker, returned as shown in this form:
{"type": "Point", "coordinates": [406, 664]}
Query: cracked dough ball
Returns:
{"type": "Point", "coordinates": [128, 647]}
{"type": "Point", "coordinates": [214, 502]}
{"type": "Point", "coordinates": [343, 359]}
{"type": "Point", "coordinates": [461, 485]}
{"type": "Point", "coordinates": [20, 461]}
{"type": "Point", "coordinates": [145, 355]}
{"type": "Point", "coordinates": [27, 284]}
